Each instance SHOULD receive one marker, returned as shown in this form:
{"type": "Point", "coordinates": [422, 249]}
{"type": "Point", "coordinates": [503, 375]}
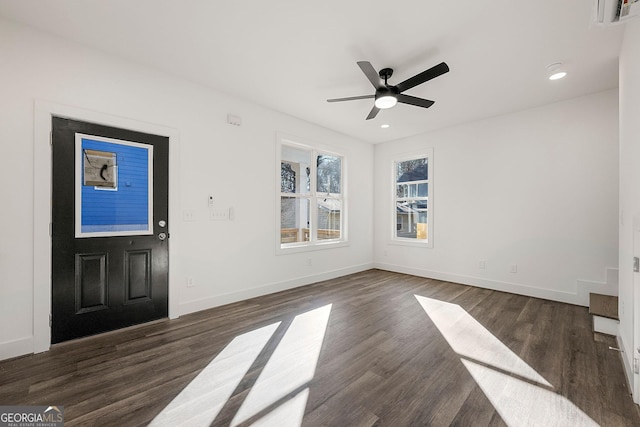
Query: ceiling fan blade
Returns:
{"type": "Point", "coordinates": [371, 73]}
{"type": "Point", "coordinates": [424, 76]}
{"type": "Point", "coordinates": [374, 112]}
{"type": "Point", "coordinates": [412, 100]}
{"type": "Point", "coordinates": [351, 98]}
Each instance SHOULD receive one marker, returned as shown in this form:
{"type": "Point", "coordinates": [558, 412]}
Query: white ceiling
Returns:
{"type": "Point", "coordinates": [292, 55]}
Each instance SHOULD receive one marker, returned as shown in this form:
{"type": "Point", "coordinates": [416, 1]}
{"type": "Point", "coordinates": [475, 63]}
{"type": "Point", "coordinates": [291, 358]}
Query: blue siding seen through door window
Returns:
{"type": "Point", "coordinates": [125, 208]}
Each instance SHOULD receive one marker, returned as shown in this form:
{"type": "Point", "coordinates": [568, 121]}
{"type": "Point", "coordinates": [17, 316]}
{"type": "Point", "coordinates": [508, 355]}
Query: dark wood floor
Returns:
{"type": "Point", "coordinates": [393, 350]}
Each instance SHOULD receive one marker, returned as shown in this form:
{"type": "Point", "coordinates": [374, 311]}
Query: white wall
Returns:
{"type": "Point", "coordinates": [629, 181]}
{"type": "Point", "coordinates": [228, 260]}
{"type": "Point", "coordinates": [537, 188]}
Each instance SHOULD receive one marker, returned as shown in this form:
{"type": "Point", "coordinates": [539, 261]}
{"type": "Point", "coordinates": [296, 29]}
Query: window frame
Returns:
{"type": "Point", "coordinates": [315, 149]}
{"type": "Point", "coordinates": [405, 241]}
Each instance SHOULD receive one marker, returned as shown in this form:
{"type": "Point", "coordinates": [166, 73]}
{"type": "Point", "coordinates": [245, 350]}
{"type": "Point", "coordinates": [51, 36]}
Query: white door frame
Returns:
{"type": "Point", "coordinates": [42, 182]}
{"type": "Point", "coordinates": [635, 354]}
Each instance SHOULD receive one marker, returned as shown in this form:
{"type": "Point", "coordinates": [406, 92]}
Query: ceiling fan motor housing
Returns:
{"type": "Point", "coordinates": [385, 73]}
{"type": "Point", "coordinates": [387, 91]}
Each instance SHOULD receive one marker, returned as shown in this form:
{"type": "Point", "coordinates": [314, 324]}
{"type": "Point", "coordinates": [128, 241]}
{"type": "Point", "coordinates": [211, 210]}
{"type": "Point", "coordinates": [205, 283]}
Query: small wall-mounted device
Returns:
{"type": "Point", "coordinates": [234, 120]}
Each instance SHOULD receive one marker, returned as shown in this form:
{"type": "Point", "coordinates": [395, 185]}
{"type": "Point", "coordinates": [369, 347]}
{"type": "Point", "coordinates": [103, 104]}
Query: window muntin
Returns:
{"type": "Point", "coordinates": [412, 210]}
{"type": "Point", "coordinates": [311, 196]}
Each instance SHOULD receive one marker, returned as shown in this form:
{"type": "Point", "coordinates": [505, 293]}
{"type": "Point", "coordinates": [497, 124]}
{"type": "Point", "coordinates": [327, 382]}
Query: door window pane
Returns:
{"type": "Point", "coordinates": [114, 194]}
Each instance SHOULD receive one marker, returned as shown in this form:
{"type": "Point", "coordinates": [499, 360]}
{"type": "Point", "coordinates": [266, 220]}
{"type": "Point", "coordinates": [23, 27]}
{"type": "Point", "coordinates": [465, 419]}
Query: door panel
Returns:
{"type": "Point", "coordinates": [109, 195]}
{"type": "Point", "coordinates": [137, 276]}
{"type": "Point", "coordinates": [91, 282]}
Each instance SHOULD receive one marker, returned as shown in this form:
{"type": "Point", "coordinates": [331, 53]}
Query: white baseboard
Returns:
{"type": "Point", "coordinates": [627, 364]}
{"type": "Point", "coordinates": [25, 346]}
{"type": "Point", "coordinates": [16, 348]}
{"type": "Point", "coordinates": [515, 288]}
{"type": "Point", "coordinates": [218, 300]}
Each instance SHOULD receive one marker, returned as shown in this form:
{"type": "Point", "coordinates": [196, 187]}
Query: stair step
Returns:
{"type": "Point", "coordinates": [605, 325]}
{"type": "Point", "coordinates": [603, 306]}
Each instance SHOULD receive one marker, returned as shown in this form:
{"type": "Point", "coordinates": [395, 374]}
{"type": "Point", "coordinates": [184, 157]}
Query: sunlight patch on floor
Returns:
{"type": "Point", "coordinates": [290, 413]}
{"type": "Point", "coordinates": [470, 339]}
{"type": "Point", "coordinates": [279, 395]}
{"type": "Point", "coordinates": [201, 401]}
{"type": "Point", "coordinates": [520, 403]}
{"type": "Point", "coordinates": [290, 368]}
{"type": "Point", "coordinates": [519, 393]}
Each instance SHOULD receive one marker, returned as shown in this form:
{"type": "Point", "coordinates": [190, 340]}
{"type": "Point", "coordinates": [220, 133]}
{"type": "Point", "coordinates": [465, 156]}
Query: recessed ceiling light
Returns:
{"type": "Point", "coordinates": [384, 126]}
{"type": "Point", "coordinates": [558, 75]}
{"type": "Point", "coordinates": [555, 71]}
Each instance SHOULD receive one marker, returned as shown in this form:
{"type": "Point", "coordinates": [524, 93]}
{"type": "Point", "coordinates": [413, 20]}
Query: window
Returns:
{"type": "Point", "coordinates": [412, 200]}
{"type": "Point", "coordinates": [311, 196]}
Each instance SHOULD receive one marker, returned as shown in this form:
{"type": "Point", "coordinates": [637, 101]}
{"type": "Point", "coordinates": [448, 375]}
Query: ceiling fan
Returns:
{"type": "Point", "coordinates": [387, 95]}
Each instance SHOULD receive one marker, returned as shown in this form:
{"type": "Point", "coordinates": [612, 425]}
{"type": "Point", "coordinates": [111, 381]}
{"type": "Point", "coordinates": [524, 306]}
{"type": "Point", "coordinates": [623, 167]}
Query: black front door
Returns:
{"type": "Point", "coordinates": [109, 228]}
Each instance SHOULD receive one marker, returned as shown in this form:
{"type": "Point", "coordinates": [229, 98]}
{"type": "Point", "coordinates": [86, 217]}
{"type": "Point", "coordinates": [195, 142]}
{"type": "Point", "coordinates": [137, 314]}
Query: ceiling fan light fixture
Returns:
{"type": "Point", "coordinates": [385, 101]}
{"type": "Point", "coordinates": [387, 96]}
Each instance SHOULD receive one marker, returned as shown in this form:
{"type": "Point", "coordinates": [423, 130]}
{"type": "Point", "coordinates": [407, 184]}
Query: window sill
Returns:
{"type": "Point", "coordinates": [310, 247]}
{"type": "Point", "coordinates": [412, 242]}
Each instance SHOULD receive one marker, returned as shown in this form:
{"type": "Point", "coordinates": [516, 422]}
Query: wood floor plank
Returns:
{"type": "Point", "coordinates": [385, 360]}
{"type": "Point", "coordinates": [476, 410]}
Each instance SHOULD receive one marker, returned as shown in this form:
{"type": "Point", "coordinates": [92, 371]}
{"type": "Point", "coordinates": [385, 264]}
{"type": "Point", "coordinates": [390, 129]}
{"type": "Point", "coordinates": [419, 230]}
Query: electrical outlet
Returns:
{"type": "Point", "coordinates": [188, 215]}
{"type": "Point", "coordinates": [514, 268]}
{"type": "Point", "coordinates": [218, 214]}
{"type": "Point", "coordinates": [190, 282]}
{"type": "Point", "coordinates": [482, 264]}
{"type": "Point", "coordinates": [234, 120]}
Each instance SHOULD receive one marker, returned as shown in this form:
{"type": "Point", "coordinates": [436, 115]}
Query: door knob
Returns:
{"type": "Point", "coordinates": [162, 236]}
